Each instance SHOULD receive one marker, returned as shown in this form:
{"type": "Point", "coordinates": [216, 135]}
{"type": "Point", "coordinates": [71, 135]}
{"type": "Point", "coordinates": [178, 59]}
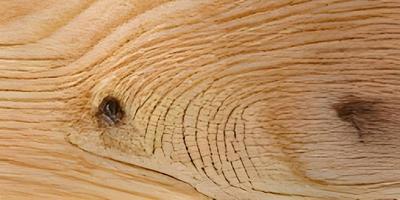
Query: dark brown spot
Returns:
{"type": "Point", "coordinates": [110, 111]}
{"type": "Point", "coordinates": [360, 114]}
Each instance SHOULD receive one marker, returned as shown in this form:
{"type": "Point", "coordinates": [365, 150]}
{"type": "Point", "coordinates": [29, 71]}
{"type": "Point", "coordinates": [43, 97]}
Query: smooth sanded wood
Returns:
{"type": "Point", "coordinates": [126, 99]}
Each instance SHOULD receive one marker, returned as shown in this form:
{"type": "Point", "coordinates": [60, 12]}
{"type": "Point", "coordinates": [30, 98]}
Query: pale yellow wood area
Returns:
{"type": "Point", "coordinates": [186, 99]}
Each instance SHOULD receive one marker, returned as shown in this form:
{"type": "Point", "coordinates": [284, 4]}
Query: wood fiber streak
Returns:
{"type": "Point", "coordinates": [215, 99]}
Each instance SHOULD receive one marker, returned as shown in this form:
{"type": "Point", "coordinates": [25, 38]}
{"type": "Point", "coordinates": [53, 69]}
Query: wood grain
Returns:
{"type": "Point", "coordinates": [219, 99]}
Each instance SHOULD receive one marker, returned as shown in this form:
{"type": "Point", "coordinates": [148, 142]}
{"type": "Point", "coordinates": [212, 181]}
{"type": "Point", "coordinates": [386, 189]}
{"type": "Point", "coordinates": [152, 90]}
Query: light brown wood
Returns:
{"type": "Point", "coordinates": [224, 99]}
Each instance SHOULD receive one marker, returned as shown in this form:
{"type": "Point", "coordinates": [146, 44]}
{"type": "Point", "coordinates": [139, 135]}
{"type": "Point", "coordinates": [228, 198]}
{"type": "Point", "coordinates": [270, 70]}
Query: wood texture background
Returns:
{"type": "Point", "coordinates": [223, 99]}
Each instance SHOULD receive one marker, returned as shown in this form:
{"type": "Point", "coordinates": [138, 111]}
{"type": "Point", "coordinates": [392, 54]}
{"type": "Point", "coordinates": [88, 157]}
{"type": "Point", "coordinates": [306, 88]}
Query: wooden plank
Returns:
{"type": "Point", "coordinates": [186, 99]}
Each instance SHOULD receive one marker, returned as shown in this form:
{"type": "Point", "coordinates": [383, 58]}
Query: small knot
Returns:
{"type": "Point", "coordinates": [362, 115]}
{"type": "Point", "coordinates": [110, 111]}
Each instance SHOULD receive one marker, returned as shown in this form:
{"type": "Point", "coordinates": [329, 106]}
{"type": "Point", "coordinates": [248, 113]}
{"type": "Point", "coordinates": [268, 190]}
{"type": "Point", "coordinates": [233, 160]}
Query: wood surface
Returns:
{"type": "Point", "coordinates": [223, 99]}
